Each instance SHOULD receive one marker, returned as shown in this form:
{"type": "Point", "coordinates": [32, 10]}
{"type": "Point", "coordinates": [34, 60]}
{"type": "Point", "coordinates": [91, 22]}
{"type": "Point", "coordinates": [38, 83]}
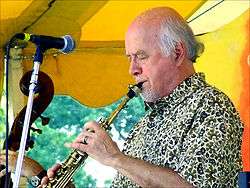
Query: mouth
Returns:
{"type": "Point", "coordinates": [140, 83]}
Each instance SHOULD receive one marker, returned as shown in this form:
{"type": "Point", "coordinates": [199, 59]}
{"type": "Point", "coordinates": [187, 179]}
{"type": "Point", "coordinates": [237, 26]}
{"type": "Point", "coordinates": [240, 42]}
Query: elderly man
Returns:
{"type": "Point", "coordinates": [191, 135]}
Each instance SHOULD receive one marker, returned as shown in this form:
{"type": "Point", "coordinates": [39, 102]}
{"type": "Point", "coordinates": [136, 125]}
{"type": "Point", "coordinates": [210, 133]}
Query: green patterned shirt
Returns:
{"type": "Point", "coordinates": [195, 131]}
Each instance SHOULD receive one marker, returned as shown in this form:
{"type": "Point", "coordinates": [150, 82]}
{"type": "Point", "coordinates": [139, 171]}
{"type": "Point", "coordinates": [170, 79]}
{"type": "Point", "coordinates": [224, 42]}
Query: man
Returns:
{"type": "Point", "coordinates": [191, 136]}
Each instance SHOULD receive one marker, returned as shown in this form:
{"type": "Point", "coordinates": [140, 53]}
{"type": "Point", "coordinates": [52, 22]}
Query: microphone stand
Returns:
{"type": "Point", "coordinates": [33, 83]}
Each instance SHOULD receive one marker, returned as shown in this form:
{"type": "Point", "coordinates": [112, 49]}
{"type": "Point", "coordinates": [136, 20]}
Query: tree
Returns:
{"type": "Point", "coordinates": [67, 118]}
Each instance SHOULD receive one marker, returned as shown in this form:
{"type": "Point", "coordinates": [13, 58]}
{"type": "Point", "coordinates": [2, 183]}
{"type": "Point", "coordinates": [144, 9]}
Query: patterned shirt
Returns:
{"type": "Point", "coordinates": [195, 131]}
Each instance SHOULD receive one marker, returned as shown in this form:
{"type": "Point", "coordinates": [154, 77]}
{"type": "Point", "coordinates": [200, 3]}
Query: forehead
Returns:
{"type": "Point", "coordinates": [141, 39]}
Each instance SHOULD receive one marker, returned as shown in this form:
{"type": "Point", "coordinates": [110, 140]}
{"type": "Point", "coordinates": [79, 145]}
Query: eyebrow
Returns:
{"type": "Point", "coordinates": [140, 52]}
{"type": "Point", "coordinates": [137, 53]}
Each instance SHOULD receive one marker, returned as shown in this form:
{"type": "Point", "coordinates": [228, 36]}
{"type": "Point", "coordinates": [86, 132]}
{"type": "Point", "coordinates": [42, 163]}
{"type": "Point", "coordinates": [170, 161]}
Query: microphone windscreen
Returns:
{"type": "Point", "coordinates": [69, 44]}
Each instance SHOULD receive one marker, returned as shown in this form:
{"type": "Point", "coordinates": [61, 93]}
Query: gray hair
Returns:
{"type": "Point", "coordinates": [173, 31]}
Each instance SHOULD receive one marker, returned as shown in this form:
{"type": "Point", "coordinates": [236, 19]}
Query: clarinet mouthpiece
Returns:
{"type": "Point", "coordinates": [139, 85]}
{"type": "Point", "coordinates": [134, 90]}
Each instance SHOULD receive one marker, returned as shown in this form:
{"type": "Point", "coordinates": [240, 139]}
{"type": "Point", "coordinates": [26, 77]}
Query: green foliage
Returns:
{"type": "Point", "coordinates": [64, 111]}
{"type": "Point", "coordinates": [67, 118]}
{"type": "Point", "coordinates": [49, 149]}
{"type": "Point", "coordinates": [2, 117]}
{"type": "Point", "coordinates": [2, 127]}
{"type": "Point", "coordinates": [107, 183]}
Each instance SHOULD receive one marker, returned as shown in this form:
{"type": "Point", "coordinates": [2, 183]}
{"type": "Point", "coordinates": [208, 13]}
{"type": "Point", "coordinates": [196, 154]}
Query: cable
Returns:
{"type": "Point", "coordinates": [7, 58]}
{"type": "Point", "coordinates": [205, 11]}
{"type": "Point", "coordinates": [36, 20]}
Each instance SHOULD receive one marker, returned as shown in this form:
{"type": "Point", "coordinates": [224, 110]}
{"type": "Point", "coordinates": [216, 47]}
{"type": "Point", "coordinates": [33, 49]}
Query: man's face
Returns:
{"type": "Point", "coordinates": [148, 64]}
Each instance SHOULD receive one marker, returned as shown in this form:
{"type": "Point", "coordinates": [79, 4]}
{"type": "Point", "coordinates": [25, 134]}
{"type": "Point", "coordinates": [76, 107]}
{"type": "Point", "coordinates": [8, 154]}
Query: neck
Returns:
{"type": "Point", "coordinates": [184, 71]}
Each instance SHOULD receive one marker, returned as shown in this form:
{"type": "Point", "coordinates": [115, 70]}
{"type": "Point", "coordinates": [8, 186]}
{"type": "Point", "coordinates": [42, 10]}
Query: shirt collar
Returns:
{"type": "Point", "coordinates": [184, 89]}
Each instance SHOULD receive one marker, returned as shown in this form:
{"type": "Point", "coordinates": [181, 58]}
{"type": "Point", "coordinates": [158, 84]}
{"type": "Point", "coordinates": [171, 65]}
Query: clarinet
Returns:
{"type": "Point", "coordinates": [77, 158]}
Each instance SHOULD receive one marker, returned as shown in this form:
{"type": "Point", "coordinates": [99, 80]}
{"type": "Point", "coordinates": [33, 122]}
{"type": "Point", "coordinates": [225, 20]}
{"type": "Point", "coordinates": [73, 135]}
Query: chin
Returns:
{"type": "Point", "coordinates": [149, 96]}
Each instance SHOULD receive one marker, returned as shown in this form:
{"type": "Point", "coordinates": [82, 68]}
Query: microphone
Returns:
{"type": "Point", "coordinates": [65, 44]}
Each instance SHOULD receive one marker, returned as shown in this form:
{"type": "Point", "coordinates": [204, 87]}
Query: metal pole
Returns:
{"type": "Point", "coordinates": [33, 82]}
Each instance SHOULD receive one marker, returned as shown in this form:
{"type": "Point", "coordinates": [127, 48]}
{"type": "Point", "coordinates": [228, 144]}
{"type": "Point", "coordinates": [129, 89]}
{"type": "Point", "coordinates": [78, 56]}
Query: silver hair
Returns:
{"type": "Point", "coordinates": [172, 32]}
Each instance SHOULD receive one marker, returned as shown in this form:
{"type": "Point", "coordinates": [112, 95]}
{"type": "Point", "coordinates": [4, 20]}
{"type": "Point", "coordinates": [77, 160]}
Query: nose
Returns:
{"type": "Point", "coordinates": [134, 68]}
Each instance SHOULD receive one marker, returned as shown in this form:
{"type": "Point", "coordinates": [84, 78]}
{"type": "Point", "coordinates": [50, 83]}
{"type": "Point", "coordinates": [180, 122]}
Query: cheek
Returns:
{"type": "Point", "coordinates": [153, 74]}
{"type": "Point", "coordinates": [159, 72]}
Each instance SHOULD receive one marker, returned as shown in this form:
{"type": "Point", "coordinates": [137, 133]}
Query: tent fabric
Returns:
{"type": "Point", "coordinates": [14, 20]}
{"type": "Point", "coordinates": [213, 14]}
{"type": "Point", "coordinates": [99, 76]}
{"type": "Point", "coordinates": [89, 22]}
{"type": "Point", "coordinates": [226, 64]}
{"type": "Point", "coordinates": [59, 17]}
{"type": "Point", "coordinates": [48, 17]}
{"type": "Point", "coordinates": [16, 71]}
{"type": "Point", "coordinates": [114, 17]}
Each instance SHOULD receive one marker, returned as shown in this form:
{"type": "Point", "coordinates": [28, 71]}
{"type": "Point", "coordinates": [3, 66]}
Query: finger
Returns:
{"type": "Point", "coordinates": [79, 141]}
{"type": "Point", "coordinates": [56, 167]}
{"type": "Point", "coordinates": [83, 135]}
{"type": "Point", "coordinates": [92, 125]}
{"type": "Point", "coordinates": [2, 159]}
{"type": "Point", "coordinates": [78, 146]}
{"type": "Point", "coordinates": [44, 181]}
{"type": "Point", "coordinates": [52, 171]}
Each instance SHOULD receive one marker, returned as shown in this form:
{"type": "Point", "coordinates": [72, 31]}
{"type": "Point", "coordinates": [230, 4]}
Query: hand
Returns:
{"type": "Point", "coordinates": [97, 144]}
{"type": "Point", "coordinates": [50, 174]}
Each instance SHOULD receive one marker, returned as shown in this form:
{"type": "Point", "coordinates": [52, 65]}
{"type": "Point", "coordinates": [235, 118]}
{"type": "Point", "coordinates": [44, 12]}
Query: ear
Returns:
{"type": "Point", "coordinates": [179, 53]}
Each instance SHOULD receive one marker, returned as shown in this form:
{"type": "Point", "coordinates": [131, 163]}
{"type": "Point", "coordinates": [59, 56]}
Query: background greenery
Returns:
{"type": "Point", "coordinates": [67, 118]}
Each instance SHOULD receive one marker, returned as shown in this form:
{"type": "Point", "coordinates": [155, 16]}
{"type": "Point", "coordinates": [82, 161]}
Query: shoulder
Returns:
{"type": "Point", "coordinates": [213, 98]}
{"type": "Point", "coordinates": [216, 109]}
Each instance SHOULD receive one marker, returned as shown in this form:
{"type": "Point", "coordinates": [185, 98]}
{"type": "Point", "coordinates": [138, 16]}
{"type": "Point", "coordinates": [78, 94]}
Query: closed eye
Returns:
{"type": "Point", "coordinates": [142, 56]}
{"type": "Point", "coordinates": [138, 56]}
